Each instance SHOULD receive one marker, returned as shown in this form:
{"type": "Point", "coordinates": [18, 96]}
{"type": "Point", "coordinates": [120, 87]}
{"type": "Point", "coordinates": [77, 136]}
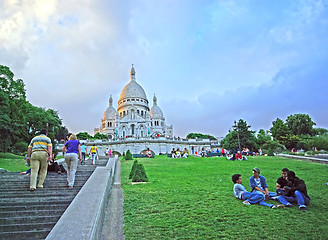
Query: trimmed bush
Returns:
{"type": "Point", "coordinates": [270, 152]}
{"type": "Point", "coordinates": [133, 169]}
{"type": "Point", "coordinates": [128, 155]}
{"type": "Point", "coordinates": [140, 174]}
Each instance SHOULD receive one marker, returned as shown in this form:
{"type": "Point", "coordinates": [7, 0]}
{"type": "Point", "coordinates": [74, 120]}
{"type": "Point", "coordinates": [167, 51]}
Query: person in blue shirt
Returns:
{"type": "Point", "coordinates": [259, 185]}
{"type": "Point", "coordinates": [83, 152]}
{"type": "Point", "coordinates": [249, 197]}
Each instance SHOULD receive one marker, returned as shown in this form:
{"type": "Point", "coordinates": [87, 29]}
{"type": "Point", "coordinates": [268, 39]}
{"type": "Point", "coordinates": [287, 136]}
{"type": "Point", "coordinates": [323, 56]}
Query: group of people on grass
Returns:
{"type": "Point", "coordinates": [289, 190]}
{"type": "Point", "coordinates": [179, 154]}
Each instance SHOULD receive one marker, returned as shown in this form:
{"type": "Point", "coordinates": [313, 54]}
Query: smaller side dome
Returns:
{"type": "Point", "coordinates": [155, 111]}
{"type": "Point", "coordinates": [110, 111]}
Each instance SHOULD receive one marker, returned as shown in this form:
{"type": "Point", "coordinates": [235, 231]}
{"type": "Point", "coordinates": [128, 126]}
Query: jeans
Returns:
{"type": "Point", "coordinates": [299, 198]}
{"type": "Point", "coordinates": [71, 160]}
{"type": "Point", "coordinates": [94, 158]}
{"type": "Point", "coordinates": [83, 157]}
{"type": "Point", "coordinates": [272, 195]}
{"type": "Point", "coordinates": [252, 197]}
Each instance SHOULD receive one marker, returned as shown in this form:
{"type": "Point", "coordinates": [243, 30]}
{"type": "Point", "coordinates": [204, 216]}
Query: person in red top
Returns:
{"type": "Point", "coordinates": [239, 156]}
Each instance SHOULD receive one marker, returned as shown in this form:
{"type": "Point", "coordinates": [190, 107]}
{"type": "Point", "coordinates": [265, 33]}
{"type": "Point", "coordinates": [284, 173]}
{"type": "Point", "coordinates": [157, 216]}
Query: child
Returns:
{"type": "Point", "coordinates": [248, 197]}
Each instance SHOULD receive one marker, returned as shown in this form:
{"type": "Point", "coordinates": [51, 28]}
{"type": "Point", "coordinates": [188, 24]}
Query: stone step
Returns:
{"type": "Point", "coordinates": [29, 219]}
{"type": "Point", "coordinates": [19, 235]}
{"type": "Point", "coordinates": [44, 212]}
{"type": "Point", "coordinates": [26, 227]}
{"type": "Point", "coordinates": [12, 207]}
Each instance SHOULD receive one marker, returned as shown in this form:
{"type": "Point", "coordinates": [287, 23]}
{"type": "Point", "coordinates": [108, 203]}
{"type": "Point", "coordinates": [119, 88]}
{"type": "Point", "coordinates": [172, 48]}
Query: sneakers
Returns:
{"type": "Point", "coordinates": [303, 209]}
{"type": "Point", "coordinates": [278, 206]}
{"type": "Point", "coordinates": [288, 205]}
{"type": "Point", "coordinates": [246, 202]}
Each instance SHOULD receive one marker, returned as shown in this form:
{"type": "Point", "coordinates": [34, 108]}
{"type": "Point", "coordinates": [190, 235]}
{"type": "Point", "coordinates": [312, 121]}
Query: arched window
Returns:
{"type": "Point", "coordinates": [132, 129]}
{"type": "Point", "coordinates": [110, 124]}
{"type": "Point", "coordinates": [137, 111]}
{"type": "Point", "coordinates": [123, 113]}
{"type": "Point", "coordinates": [141, 113]}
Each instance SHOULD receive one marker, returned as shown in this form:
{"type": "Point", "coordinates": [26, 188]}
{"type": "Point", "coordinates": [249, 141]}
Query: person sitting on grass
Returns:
{"type": "Point", "coordinates": [178, 153]}
{"type": "Point", "coordinates": [203, 152]}
{"type": "Point", "coordinates": [239, 156]}
{"type": "Point", "coordinates": [149, 153]}
{"type": "Point", "coordinates": [173, 153]}
{"type": "Point", "coordinates": [249, 197]}
{"type": "Point", "coordinates": [185, 153]}
{"type": "Point", "coordinates": [259, 185]}
{"type": "Point", "coordinates": [282, 182]}
{"type": "Point", "coordinates": [297, 193]}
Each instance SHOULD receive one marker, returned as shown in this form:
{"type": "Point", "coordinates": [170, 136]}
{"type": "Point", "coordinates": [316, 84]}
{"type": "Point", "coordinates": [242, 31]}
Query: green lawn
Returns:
{"type": "Point", "coordinates": [193, 199]}
{"type": "Point", "coordinates": [12, 163]}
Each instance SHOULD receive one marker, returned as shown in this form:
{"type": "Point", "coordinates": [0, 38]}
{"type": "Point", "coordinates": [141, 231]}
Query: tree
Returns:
{"type": "Point", "coordinates": [19, 119]}
{"type": "Point", "coordinates": [133, 169]}
{"type": "Point", "coordinates": [200, 136]}
{"type": "Point", "coordinates": [300, 124]}
{"type": "Point", "coordinates": [279, 130]}
{"type": "Point", "coordinates": [242, 131]}
{"type": "Point", "coordinates": [128, 155]}
{"type": "Point", "coordinates": [262, 137]}
{"type": "Point", "coordinates": [139, 174]}
{"type": "Point", "coordinates": [321, 131]}
{"type": "Point", "coordinates": [100, 136]}
{"type": "Point", "coordinates": [83, 136]}
{"type": "Point", "coordinates": [12, 109]}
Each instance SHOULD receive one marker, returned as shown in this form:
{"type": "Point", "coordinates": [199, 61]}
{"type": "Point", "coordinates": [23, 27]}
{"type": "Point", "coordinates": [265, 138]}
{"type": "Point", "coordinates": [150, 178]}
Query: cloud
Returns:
{"type": "Point", "coordinates": [208, 62]}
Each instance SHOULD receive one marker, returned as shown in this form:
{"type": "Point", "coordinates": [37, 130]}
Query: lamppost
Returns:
{"type": "Point", "coordinates": [237, 129]}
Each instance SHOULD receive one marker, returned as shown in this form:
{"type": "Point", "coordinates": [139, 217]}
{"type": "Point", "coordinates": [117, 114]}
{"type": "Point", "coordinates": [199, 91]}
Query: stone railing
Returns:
{"type": "Point", "coordinates": [83, 218]}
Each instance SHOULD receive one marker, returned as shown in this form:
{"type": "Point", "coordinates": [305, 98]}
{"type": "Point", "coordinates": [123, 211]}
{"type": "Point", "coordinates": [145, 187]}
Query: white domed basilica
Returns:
{"type": "Point", "coordinates": [133, 117]}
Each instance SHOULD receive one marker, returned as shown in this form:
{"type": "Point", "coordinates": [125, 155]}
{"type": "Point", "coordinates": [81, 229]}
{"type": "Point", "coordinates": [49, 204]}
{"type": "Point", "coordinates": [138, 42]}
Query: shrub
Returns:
{"type": "Point", "coordinates": [140, 174]}
{"type": "Point", "coordinates": [274, 146]}
{"type": "Point", "coordinates": [128, 155]}
{"type": "Point", "coordinates": [20, 147]}
{"type": "Point", "coordinates": [133, 169]}
{"type": "Point", "coordinates": [270, 152]}
{"type": "Point", "coordinates": [309, 153]}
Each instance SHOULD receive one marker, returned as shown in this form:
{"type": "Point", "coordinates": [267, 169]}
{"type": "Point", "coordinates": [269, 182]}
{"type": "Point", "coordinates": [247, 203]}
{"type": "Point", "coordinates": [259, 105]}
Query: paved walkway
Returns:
{"type": "Point", "coordinates": [113, 219]}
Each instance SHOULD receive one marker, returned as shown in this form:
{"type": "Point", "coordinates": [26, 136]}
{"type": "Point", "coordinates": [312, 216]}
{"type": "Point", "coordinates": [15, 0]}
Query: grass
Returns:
{"type": "Point", "coordinates": [12, 162]}
{"type": "Point", "coordinates": [193, 199]}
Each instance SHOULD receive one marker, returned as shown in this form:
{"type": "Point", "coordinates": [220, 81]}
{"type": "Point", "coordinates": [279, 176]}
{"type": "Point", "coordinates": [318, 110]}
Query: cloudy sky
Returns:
{"type": "Point", "coordinates": [208, 62]}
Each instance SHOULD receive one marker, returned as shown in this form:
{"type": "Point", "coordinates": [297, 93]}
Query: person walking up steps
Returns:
{"type": "Point", "coordinates": [94, 153]}
{"type": "Point", "coordinates": [73, 154]}
{"type": "Point", "coordinates": [39, 150]}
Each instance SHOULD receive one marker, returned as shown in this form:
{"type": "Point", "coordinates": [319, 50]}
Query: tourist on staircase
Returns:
{"type": "Point", "coordinates": [72, 150]}
{"type": "Point", "coordinates": [39, 150]}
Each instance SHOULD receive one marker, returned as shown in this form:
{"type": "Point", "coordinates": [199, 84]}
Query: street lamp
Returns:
{"type": "Point", "coordinates": [237, 129]}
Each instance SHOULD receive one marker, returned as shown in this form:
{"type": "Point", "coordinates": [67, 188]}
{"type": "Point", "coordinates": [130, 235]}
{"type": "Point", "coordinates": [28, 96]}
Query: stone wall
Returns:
{"type": "Point", "coordinates": [157, 145]}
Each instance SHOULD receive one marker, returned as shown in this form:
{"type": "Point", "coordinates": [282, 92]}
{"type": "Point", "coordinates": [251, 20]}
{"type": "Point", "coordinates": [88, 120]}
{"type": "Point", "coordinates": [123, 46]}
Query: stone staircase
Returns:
{"type": "Point", "coordinates": [32, 215]}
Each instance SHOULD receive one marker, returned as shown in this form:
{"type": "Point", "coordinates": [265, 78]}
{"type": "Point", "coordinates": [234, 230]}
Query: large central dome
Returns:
{"type": "Point", "coordinates": [133, 89]}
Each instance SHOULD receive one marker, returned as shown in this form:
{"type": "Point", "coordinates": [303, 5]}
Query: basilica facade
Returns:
{"type": "Point", "coordinates": [133, 117]}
